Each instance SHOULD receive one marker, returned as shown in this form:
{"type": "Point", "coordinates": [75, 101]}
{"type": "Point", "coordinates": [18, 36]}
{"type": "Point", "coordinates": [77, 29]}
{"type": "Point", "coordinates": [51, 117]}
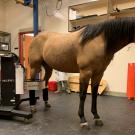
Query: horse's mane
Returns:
{"type": "Point", "coordinates": [113, 30]}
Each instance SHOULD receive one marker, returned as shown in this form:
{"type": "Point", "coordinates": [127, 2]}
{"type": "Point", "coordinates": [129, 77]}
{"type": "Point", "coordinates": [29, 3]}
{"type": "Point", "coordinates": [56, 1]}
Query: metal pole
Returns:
{"type": "Point", "coordinates": [35, 16]}
{"type": "Point", "coordinates": [35, 26]}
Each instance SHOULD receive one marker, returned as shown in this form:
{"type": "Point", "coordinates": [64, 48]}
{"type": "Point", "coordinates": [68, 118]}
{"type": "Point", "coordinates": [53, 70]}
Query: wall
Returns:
{"type": "Point", "coordinates": [2, 16]}
{"type": "Point", "coordinates": [116, 73]}
{"type": "Point", "coordinates": [20, 17]}
{"type": "Point", "coordinates": [62, 21]}
{"type": "Point", "coordinates": [17, 17]}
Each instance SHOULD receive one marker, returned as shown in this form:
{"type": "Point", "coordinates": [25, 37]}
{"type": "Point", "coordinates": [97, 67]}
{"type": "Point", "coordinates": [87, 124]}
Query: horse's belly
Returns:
{"type": "Point", "coordinates": [64, 64]}
{"type": "Point", "coordinates": [67, 69]}
{"type": "Point", "coordinates": [61, 55]}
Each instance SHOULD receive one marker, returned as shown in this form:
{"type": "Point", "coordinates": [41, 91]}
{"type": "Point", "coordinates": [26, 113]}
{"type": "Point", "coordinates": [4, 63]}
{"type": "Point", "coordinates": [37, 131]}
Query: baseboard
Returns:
{"type": "Point", "coordinates": [112, 93]}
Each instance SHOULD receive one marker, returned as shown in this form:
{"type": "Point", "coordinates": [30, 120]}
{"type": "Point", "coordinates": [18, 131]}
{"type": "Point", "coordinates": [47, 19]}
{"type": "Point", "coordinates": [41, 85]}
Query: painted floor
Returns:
{"type": "Point", "coordinates": [118, 115]}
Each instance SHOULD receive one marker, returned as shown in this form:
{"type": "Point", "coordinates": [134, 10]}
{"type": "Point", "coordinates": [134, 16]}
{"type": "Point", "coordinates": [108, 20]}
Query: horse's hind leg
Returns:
{"type": "Point", "coordinates": [48, 73]}
{"type": "Point", "coordinates": [84, 81]}
{"type": "Point", "coordinates": [95, 81]}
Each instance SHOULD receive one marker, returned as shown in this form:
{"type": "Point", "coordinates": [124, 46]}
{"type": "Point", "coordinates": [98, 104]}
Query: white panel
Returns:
{"type": "Point", "coordinates": [19, 80]}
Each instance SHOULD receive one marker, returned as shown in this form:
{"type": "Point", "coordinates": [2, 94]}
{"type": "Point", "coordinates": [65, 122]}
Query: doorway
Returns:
{"type": "Point", "coordinates": [25, 39]}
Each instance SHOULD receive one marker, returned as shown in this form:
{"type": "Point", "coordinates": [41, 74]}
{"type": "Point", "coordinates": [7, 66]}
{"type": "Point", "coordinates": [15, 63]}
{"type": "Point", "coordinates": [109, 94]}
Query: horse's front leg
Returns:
{"type": "Point", "coordinates": [95, 81]}
{"type": "Point", "coordinates": [84, 81]}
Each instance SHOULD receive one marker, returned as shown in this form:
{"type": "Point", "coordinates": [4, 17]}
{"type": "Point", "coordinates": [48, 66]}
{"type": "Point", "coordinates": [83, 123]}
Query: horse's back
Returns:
{"type": "Point", "coordinates": [60, 50]}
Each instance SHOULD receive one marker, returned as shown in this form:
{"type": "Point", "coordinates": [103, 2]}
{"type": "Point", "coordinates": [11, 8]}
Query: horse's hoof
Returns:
{"type": "Point", "coordinates": [98, 122]}
{"type": "Point", "coordinates": [33, 108]}
{"type": "Point", "coordinates": [84, 125]}
{"type": "Point", "coordinates": [47, 105]}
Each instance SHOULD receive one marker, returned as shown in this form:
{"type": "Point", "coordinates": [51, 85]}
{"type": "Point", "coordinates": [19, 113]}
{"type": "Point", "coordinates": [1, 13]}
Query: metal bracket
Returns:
{"type": "Point", "coordinates": [25, 3]}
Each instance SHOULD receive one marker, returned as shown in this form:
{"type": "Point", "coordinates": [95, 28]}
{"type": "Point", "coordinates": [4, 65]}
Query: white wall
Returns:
{"type": "Point", "coordinates": [61, 25]}
{"type": "Point", "coordinates": [2, 16]}
{"type": "Point", "coordinates": [17, 17]}
{"type": "Point", "coordinates": [116, 73]}
{"type": "Point", "coordinates": [20, 17]}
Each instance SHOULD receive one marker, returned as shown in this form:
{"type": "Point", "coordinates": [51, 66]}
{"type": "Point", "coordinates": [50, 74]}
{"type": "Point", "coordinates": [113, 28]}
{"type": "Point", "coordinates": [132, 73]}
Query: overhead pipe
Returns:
{"type": "Point", "coordinates": [35, 27]}
{"type": "Point", "coordinates": [35, 12]}
{"type": "Point", "coordinates": [35, 16]}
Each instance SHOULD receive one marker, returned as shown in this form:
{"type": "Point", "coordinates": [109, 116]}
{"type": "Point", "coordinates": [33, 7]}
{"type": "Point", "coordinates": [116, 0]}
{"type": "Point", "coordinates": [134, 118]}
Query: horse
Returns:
{"type": "Point", "coordinates": [87, 51]}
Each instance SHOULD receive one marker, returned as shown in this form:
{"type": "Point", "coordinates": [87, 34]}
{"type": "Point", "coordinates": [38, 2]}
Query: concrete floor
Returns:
{"type": "Point", "coordinates": [118, 115]}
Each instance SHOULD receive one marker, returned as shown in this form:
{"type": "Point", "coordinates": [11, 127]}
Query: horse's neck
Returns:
{"type": "Point", "coordinates": [130, 38]}
{"type": "Point", "coordinates": [116, 46]}
{"type": "Point", "coordinates": [121, 45]}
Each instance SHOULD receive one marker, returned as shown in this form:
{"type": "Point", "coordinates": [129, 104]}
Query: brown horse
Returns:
{"type": "Point", "coordinates": [87, 51]}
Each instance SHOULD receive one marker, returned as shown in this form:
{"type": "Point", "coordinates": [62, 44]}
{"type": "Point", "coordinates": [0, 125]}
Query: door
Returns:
{"type": "Point", "coordinates": [26, 43]}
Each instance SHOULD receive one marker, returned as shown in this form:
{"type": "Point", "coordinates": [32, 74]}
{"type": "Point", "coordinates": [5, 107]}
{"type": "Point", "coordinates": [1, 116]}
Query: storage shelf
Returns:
{"type": "Point", "coordinates": [98, 11]}
{"type": "Point", "coordinates": [4, 33]}
{"type": "Point", "coordinates": [87, 13]}
{"type": "Point", "coordinates": [124, 11]}
{"type": "Point", "coordinates": [88, 5]}
{"type": "Point", "coordinates": [80, 22]}
{"type": "Point", "coordinates": [87, 18]}
{"type": "Point", "coordinates": [7, 43]}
